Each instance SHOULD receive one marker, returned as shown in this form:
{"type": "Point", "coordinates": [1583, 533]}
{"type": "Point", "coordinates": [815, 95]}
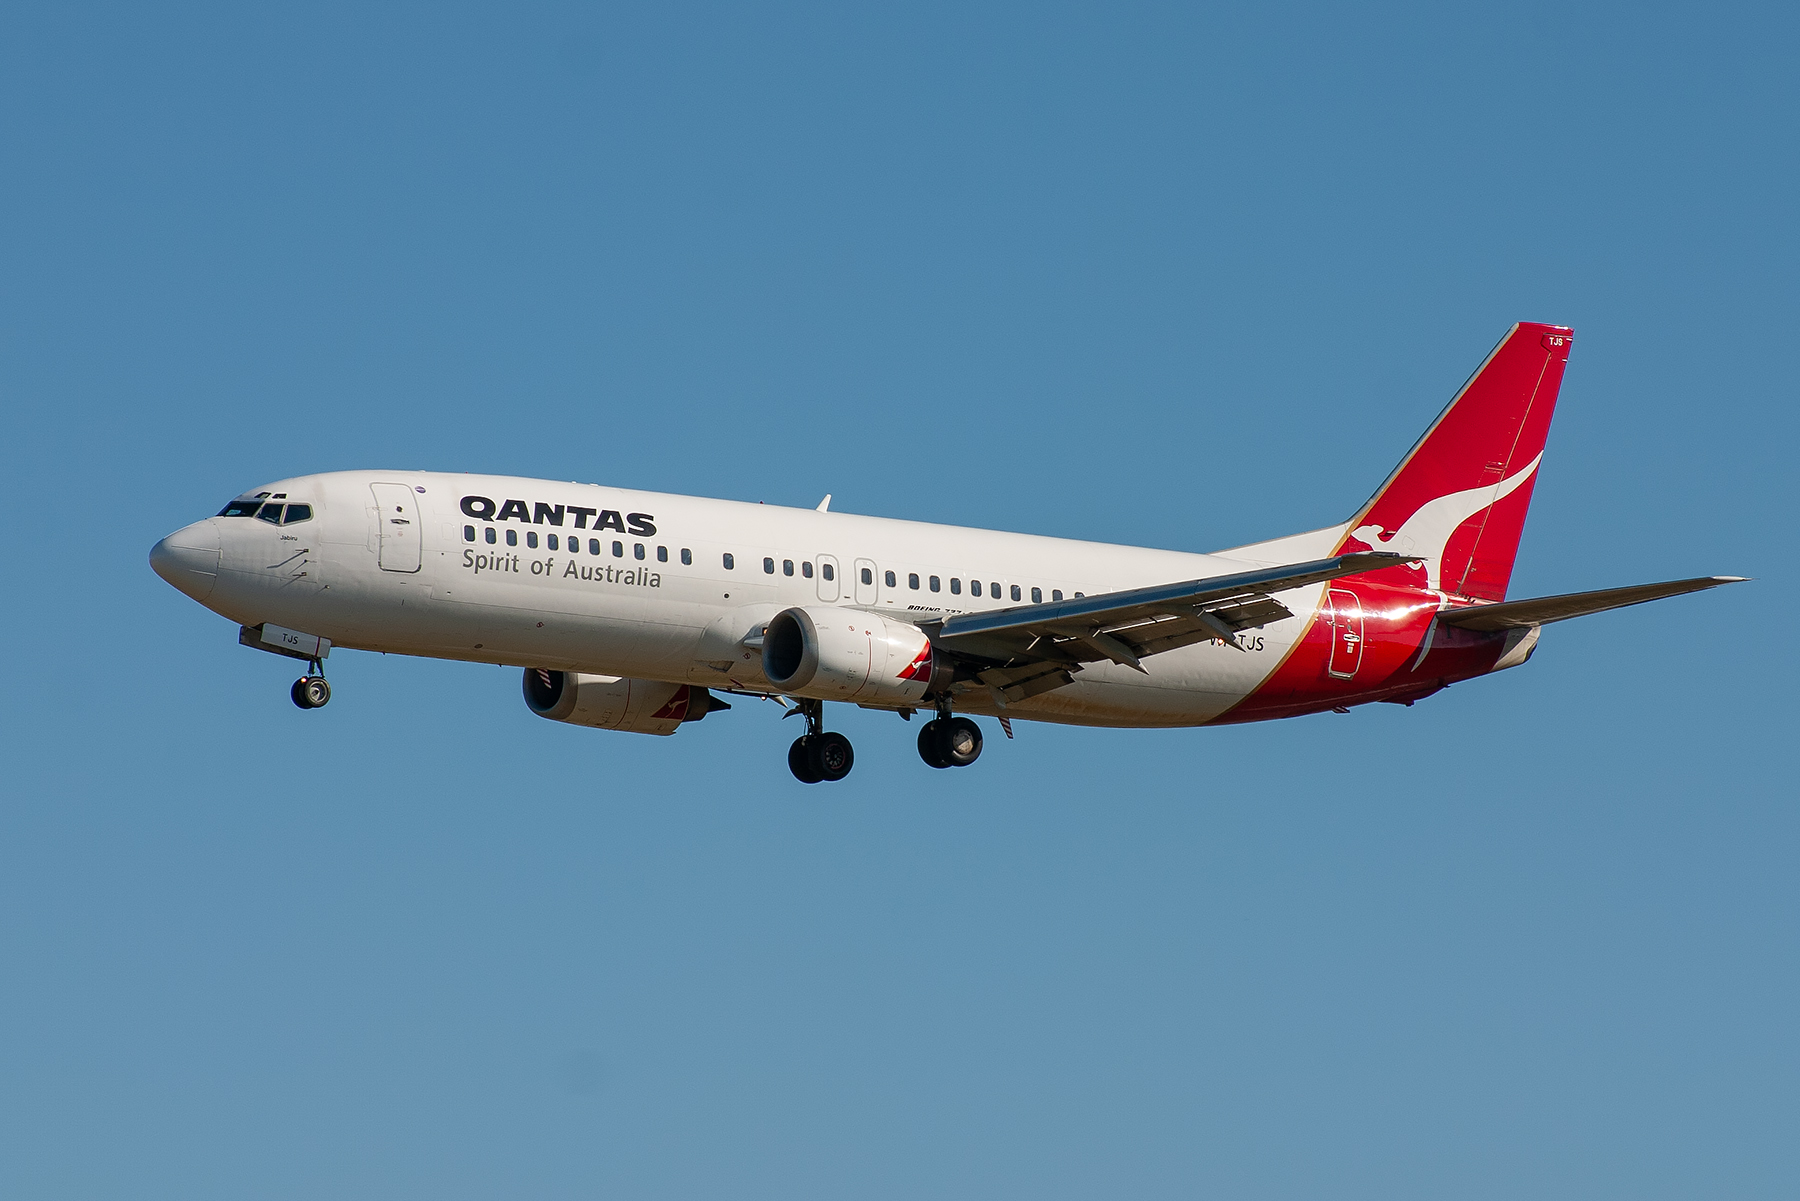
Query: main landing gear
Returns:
{"type": "Point", "coordinates": [947, 741]}
{"type": "Point", "coordinates": [311, 691]}
{"type": "Point", "coordinates": [819, 754]}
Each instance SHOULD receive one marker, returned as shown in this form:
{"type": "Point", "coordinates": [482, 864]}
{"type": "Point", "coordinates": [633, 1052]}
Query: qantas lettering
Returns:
{"type": "Point", "coordinates": [642, 525]}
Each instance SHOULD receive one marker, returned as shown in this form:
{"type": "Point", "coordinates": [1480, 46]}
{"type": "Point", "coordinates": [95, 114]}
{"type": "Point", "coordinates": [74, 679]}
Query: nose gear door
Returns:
{"type": "Point", "coordinates": [1346, 633]}
{"type": "Point", "coordinates": [397, 517]}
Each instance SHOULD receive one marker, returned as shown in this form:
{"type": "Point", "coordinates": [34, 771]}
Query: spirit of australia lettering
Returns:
{"type": "Point", "coordinates": [643, 525]}
{"type": "Point", "coordinates": [602, 573]}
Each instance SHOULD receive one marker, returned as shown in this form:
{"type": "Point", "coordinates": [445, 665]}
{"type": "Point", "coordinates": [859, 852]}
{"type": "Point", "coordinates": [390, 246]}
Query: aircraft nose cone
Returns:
{"type": "Point", "coordinates": [189, 559]}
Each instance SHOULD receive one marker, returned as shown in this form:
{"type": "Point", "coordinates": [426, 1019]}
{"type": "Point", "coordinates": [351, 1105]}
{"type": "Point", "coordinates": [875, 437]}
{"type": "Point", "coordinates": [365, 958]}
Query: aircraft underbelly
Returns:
{"type": "Point", "coordinates": [1185, 687]}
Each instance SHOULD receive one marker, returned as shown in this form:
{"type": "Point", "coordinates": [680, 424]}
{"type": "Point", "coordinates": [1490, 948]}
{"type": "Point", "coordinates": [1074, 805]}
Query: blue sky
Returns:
{"type": "Point", "coordinates": [1169, 276]}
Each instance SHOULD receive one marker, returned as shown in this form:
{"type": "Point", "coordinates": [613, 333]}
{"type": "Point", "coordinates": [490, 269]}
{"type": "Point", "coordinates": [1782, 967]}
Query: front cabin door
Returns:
{"type": "Point", "coordinates": [397, 517]}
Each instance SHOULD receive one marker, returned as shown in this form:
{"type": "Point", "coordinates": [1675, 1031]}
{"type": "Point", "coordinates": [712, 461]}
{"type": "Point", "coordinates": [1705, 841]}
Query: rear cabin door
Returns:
{"type": "Point", "coordinates": [865, 581]}
{"type": "Point", "coordinates": [829, 585]}
{"type": "Point", "coordinates": [397, 516]}
{"type": "Point", "coordinates": [1346, 633]}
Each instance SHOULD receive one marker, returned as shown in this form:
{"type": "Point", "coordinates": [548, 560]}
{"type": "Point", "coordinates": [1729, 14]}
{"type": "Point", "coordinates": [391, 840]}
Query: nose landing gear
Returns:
{"type": "Point", "coordinates": [819, 754]}
{"type": "Point", "coordinates": [311, 691]}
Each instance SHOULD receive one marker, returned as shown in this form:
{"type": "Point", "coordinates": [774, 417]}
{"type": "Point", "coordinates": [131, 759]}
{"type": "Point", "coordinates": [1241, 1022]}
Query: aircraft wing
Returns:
{"type": "Point", "coordinates": [1030, 649]}
{"type": "Point", "coordinates": [1508, 615]}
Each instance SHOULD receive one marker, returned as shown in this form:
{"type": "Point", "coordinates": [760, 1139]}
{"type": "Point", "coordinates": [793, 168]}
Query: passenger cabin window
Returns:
{"type": "Point", "coordinates": [730, 563]}
{"type": "Point", "coordinates": [1015, 592]}
{"type": "Point", "coordinates": [618, 550]}
{"type": "Point", "coordinates": [1037, 596]}
{"type": "Point", "coordinates": [662, 554]}
{"type": "Point", "coordinates": [637, 550]}
{"type": "Point", "coordinates": [297, 513]}
{"type": "Point", "coordinates": [531, 539]}
{"type": "Point", "coordinates": [687, 557]}
{"type": "Point", "coordinates": [787, 567]}
{"type": "Point", "coordinates": [806, 568]}
{"type": "Point", "coordinates": [551, 542]}
{"type": "Point", "coordinates": [934, 583]}
{"type": "Point", "coordinates": [974, 587]}
{"type": "Point", "coordinates": [1056, 594]}
{"type": "Point", "coordinates": [593, 546]}
{"type": "Point", "coordinates": [512, 537]}
{"type": "Point", "coordinates": [490, 535]}
{"type": "Point", "coordinates": [468, 533]}
{"type": "Point", "coordinates": [955, 586]}
{"type": "Point", "coordinates": [912, 580]}
{"type": "Point", "coordinates": [868, 577]}
{"type": "Point", "coordinates": [241, 508]}
{"type": "Point", "coordinates": [889, 577]}
{"type": "Point", "coordinates": [826, 570]}
{"type": "Point", "coordinates": [768, 566]}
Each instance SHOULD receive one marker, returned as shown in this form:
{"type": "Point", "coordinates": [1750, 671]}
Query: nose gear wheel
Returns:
{"type": "Point", "coordinates": [310, 692]}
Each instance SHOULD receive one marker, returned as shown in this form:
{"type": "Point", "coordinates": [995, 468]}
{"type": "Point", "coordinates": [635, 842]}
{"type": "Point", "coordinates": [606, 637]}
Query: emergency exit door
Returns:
{"type": "Point", "coordinates": [1346, 633]}
{"type": "Point", "coordinates": [830, 587]}
{"type": "Point", "coordinates": [397, 518]}
{"type": "Point", "coordinates": [865, 582]}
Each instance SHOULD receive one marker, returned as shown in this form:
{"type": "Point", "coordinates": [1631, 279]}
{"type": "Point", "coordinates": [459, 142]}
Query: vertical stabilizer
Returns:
{"type": "Point", "coordinates": [1458, 500]}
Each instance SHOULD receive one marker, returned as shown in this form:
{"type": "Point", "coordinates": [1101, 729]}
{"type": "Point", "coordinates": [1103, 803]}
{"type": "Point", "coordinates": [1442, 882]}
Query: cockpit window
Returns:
{"type": "Point", "coordinates": [271, 513]}
{"type": "Point", "coordinates": [240, 508]}
{"type": "Point", "coordinates": [298, 513]}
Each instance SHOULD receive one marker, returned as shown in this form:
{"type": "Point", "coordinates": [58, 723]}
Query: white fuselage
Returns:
{"type": "Point", "coordinates": [386, 563]}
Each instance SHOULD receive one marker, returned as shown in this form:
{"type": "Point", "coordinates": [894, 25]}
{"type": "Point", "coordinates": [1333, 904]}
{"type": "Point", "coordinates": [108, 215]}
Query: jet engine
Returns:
{"type": "Point", "coordinates": [616, 702]}
{"type": "Point", "coordinates": [835, 654]}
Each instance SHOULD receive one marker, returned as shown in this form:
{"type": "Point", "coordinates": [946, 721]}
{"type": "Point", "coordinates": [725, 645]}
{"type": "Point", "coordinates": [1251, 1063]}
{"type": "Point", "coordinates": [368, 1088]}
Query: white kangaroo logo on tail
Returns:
{"type": "Point", "coordinates": [1425, 534]}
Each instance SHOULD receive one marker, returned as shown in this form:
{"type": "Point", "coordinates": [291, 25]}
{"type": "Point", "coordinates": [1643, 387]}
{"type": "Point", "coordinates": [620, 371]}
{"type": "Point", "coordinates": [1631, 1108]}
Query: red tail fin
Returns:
{"type": "Point", "coordinates": [1458, 499]}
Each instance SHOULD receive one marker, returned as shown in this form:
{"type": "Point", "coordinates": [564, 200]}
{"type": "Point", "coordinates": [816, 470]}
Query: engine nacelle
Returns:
{"type": "Point", "coordinates": [616, 702]}
{"type": "Point", "coordinates": [832, 654]}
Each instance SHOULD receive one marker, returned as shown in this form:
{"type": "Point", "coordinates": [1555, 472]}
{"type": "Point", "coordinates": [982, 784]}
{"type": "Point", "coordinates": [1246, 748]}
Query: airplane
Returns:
{"type": "Point", "coordinates": [632, 610]}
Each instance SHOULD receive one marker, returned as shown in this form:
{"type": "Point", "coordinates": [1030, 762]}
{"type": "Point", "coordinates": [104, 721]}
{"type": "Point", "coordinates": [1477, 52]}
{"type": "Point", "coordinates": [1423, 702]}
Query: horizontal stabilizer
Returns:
{"type": "Point", "coordinates": [1538, 610]}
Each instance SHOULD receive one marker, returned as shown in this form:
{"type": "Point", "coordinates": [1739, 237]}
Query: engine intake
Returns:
{"type": "Point", "coordinates": [848, 655]}
{"type": "Point", "coordinates": [616, 702]}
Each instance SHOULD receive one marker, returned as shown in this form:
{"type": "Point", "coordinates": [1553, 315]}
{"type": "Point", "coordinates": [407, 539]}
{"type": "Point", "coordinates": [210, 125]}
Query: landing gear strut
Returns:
{"type": "Point", "coordinates": [819, 754]}
{"type": "Point", "coordinates": [311, 691]}
{"type": "Point", "coordinates": [948, 741]}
